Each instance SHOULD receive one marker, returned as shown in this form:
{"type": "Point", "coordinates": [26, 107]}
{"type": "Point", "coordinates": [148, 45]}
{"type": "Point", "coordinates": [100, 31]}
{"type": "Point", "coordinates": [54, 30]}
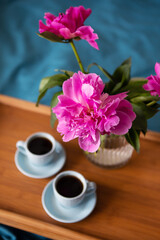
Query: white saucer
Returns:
{"type": "Point", "coordinates": [66, 215]}
{"type": "Point", "coordinates": [28, 169]}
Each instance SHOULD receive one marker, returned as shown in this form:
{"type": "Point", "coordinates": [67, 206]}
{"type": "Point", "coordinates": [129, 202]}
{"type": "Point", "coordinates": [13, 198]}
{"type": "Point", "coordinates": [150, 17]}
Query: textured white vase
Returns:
{"type": "Point", "coordinates": [114, 152]}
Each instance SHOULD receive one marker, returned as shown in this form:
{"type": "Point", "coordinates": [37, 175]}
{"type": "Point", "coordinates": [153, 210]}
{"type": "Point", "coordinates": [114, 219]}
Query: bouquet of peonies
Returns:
{"type": "Point", "coordinates": [87, 108]}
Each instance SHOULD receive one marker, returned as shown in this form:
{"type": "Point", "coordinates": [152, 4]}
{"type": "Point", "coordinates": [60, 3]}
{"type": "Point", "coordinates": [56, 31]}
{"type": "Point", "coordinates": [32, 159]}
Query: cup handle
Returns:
{"type": "Point", "coordinates": [91, 187]}
{"type": "Point", "coordinates": [21, 147]}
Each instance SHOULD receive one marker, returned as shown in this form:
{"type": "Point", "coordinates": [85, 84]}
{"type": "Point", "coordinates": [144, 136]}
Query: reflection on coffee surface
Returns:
{"type": "Point", "coordinates": [69, 186]}
{"type": "Point", "coordinates": [39, 145]}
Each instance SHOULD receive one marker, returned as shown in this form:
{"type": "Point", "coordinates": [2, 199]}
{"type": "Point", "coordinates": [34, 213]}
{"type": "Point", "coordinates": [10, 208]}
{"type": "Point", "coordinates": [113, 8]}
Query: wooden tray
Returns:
{"type": "Point", "coordinates": [128, 199]}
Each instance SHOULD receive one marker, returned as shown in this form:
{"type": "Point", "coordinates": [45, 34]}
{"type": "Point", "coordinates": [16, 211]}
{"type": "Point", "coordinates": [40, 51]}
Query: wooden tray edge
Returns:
{"type": "Point", "coordinates": [36, 226]}
{"type": "Point", "coordinates": [25, 105]}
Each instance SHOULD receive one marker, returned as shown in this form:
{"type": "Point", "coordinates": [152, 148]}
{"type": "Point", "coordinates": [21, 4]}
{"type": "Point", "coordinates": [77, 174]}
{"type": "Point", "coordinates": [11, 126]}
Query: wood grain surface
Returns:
{"type": "Point", "coordinates": [128, 199]}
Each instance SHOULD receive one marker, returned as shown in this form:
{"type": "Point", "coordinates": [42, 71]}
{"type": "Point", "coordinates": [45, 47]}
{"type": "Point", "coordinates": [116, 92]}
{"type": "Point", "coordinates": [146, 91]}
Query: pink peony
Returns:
{"type": "Point", "coordinates": [153, 84]}
{"type": "Point", "coordinates": [70, 25]}
{"type": "Point", "coordinates": [84, 112]}
{"type": "Point", "coordinates": [117, 114]}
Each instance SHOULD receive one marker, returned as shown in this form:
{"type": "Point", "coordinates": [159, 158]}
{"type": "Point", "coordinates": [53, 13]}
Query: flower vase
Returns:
{"type": "Point", "coordinates": [114, 152]}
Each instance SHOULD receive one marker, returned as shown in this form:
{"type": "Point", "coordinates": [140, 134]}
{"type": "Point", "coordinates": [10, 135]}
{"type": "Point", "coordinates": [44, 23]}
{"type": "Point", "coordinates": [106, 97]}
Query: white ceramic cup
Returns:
{"type": "Point", "coordinates": [88, 188]}
{"type": "Point", "coordinates": [35, 159]}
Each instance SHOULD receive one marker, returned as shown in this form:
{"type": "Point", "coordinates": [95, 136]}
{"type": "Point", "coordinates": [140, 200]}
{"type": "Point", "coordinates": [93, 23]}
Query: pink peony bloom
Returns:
{"type": "Point", "coordinates": [70, 25]}
{"type": "Point", "coordinates": [153, 84]}
{"type": "Point", "coordinates": [85, 112]}
{"type": "Point", "coordinates": [117, 114]}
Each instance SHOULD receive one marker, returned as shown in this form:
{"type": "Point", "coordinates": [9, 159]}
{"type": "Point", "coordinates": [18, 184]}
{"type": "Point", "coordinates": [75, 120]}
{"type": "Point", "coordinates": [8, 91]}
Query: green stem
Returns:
{"type": "Point", "coordinates": [103, 137]}
{"type": "Point", "coordinates": [77, 56]}
{"type": "Point", "coordinates": [151, 103]}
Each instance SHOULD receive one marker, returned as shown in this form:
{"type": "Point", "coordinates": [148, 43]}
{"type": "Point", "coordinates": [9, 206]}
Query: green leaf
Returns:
{"type": "Point", "coordinates": [43, 83]}
{"type": "Point", "coordinates": [54, 102]}
{"type": "Point", "coordinates": [109, 86]}
{"type": "Point", "coordinates": [133, 138]}
{"type": "Point", "coordinates": [122, 73]}
{"type": "Point", "coordinates": [142, 109]}
{"type": "Point", "coordinates": [107, 74]}
{"type": "Point", "coordinates": [144, 97]}
{"type": "Point", "coordinates": [50, 82]}
{"type": "Point", "coordinates": [66, 72]}
{"type": "Point", "coordinates": [116, 88]}
{"type": "Point", "coordinates": [41, 95]}
{"type": "Point", "coordinates": [140, 123]}
{"type": "Point", "coordinates": [135, 87]}
{"type": "Point", "coordinates": [143, 113]}
{"type": "Point", "coordinates": [52, 37]}
{"type": "Point", "coordinates": [120, 78]}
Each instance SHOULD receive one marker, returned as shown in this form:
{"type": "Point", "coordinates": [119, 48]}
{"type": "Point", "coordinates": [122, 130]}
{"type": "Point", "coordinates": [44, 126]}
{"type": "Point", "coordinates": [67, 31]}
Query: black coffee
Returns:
{"type": "Point", "coordinates": [39, 145]}
{"type": "Point", "coordinates": [69, 186]}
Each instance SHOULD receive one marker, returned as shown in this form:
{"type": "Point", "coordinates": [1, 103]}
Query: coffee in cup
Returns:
{"type": "Point", "coordinates": [38, 147]}
{"type": "Point", "coordinates": [71, 187]}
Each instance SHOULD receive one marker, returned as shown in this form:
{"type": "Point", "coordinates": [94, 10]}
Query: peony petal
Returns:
{"type": "Point", "coordinates": [56, 27]}
{"type": "Point", "coordinates": [153, 85]}
{"type": "Point", "coordinates": [109, 108]}
{"type": "Point", "coordinates": [49, 18]}
{"type": "Point", "coordinates": [66, 33]}
{"type": "Point", "coordinates": [110, 123]}
{"type": "Point", "coordinates": [155, 88]}
{"type": "Point", "coordinates": [124, 125]}
{"type": "Point", "coordinates": [87, 144]}
{"type": "Point", "coordinates": [70, 135]}
{"type": "Point", "coordinates": [43, 27]}
{"type": "Point", "coordinates": [126, 106]}
{"type": "Point", "coordinates": [93, 43]}
{"type": "Point", "coordinates": [119, 95]}
{"type": "Point", "coordinates": [65, 101]}
{"type": "Point", "coordinates": [77, 86]}
{"type": "Point", "coordinates": [86, 33]}
{"type": "Point", "coordinates": [67, 89]}
{"type": "Point", "coordinates": [157, 69]}
{"type": "Point", "coordinates": [87, 90]}
{"type": "Point", "coordinates": [95, 81]}
{"type": "Point", "coordinates": [75, 17]}
{"type": "Point", "coordinates": [148, 86]}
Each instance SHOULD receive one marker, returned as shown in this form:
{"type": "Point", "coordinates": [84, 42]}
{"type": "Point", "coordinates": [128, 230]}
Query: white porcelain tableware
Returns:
{"type": "Point", "coordinates": [63, 214]}
{"type": "Point", "coordinates": [48, 170]}
{"type": "Point", "coordinates": [87, 189]}
{"type": "Point", "coordinates": [35, 159]}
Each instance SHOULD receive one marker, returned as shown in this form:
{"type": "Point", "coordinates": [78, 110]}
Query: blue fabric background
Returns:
{"type": "Point", "coordinates": [126, 29]}
{"type": "Point", "coordinates": [9, 233]}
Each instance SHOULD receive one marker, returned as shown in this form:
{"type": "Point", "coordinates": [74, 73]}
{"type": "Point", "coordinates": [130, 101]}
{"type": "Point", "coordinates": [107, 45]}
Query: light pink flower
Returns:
{"type": "Point", "coordinates": [70, 25]}
{"type": "Point", "coordinates": [84, 112]}
{"type": "Point", "coordinates": [153, 84]}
